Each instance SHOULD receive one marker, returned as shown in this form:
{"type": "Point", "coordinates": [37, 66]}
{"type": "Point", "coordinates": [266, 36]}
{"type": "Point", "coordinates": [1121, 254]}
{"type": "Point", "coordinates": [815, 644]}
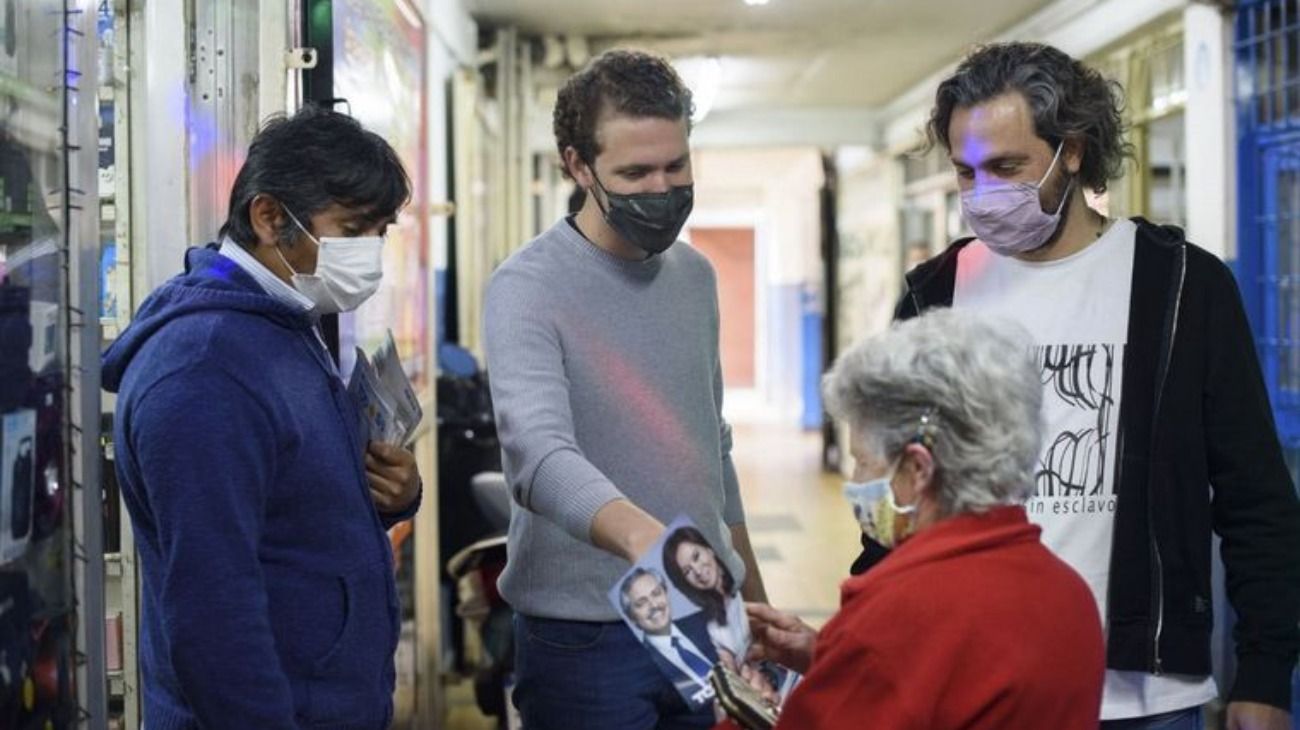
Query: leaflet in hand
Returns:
{"type": "Point", "coordinates": [683, 603]}
{"type": "Point", "coordinates": [390, 410]}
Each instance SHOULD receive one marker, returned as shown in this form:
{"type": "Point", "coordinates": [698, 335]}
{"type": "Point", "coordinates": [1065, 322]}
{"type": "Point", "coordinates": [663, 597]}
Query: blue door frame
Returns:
{"type": "Point", "coordinates": [1267, 52]}
{"type": "Point", "coordinates": [1268, 165]}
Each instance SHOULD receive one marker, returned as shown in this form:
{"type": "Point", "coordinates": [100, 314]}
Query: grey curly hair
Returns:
{"type": "Point", "coordinates": [1067, 98]}
{"type": "Point", "coordinates": [974, 377]}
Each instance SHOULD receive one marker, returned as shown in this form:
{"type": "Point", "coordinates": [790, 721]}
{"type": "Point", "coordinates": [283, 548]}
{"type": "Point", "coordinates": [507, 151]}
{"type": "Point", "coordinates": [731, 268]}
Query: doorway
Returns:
{"type": "Point", "coordinates": [731, 251]}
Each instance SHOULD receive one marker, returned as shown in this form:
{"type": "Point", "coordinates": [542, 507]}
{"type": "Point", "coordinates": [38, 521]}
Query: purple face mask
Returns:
{"type": "Point", "coordinates": [1009, 218]}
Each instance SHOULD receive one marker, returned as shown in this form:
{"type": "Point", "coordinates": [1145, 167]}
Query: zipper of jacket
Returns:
{"type": "Point", "coordinates": [1156, 663]}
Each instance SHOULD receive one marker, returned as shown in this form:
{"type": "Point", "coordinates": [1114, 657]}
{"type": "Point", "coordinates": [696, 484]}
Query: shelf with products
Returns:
{"type": "Point", "coordinates": [51, 640]}
{"type": "Point", "coordinates": [13, 222]}
{"type": "Point", "coordinates": [114, 100]}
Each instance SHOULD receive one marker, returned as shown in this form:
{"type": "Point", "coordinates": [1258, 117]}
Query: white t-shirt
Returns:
{"type": "Point", "coordinates": [1076, 309]}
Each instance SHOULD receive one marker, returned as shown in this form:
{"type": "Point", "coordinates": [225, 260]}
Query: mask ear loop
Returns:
{"type": "Point", "coordinates": [296, 222]}
{"type": "Point", "coordinates": [301, 227]}
{"type": "Point", "coordinates": [604, 209]}
{"type": "Point", "coordinates": [1055, 159]}
{"type": "Point", "coordinates": [925, 435]}
{"type": "Point", "coordinates": [1069, 186]}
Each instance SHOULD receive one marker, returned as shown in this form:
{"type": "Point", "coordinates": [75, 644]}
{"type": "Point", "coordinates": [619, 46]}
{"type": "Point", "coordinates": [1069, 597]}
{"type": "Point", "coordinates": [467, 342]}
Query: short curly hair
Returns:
{"type": "Point", "coordinates": [627, 82]}
{"type": "Point", "coordinates": [1067, 98]}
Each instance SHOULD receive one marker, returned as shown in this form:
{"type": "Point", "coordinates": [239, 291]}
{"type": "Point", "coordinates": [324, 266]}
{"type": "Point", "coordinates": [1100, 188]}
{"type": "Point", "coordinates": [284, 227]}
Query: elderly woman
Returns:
{"type": "Point", "coordinates": [970, 622]}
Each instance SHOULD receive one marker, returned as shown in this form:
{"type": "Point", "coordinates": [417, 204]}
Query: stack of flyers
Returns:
{"type": "Point", "coordinates": [683, 603]}
{"type": "Point", "coordinates": [390, 410]}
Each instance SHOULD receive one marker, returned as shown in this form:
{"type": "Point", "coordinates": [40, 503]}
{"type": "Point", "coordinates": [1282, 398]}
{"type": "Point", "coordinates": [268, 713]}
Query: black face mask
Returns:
{"type": "Point", "coordinates": [649, 221]}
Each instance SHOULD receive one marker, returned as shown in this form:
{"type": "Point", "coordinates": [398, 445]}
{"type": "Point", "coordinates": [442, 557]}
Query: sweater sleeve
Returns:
{"type": "Point", "coordinates": [206, 465]}
{"type": "Point", "coordinates": [548, 473]}
{"type": "Point", "coordinates": [1255, 507]}
{"type": "Point", "coordinates": [733, 511]}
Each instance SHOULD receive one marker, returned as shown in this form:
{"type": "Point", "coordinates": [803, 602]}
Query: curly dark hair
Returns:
{"type": "Point", "coordinates": [1067, 98]}
{"type": "Point", "coordinates": [627, 82]}
{"type": "Point", "coordinates": [712, 603]}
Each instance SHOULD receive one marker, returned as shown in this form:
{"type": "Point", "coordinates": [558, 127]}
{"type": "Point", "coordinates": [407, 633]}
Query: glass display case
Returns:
{"type": "Point", "coordinates": [51, 589]}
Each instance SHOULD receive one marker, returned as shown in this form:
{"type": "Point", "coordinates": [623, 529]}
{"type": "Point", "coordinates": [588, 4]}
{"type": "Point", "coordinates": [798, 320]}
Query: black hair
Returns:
{"type": "Point", "coordinates": [310, 160]}
{"type": "Point", "coordinates": [712, 603]}
{"type": "Point", "coordinates": [1067, 98]}
{"type": "Point", "coordinates": [633, 83]}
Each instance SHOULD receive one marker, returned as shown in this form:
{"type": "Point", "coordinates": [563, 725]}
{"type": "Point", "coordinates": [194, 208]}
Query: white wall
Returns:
{"type": "Point", "coordinates": [777, 191]}
{"type": "Point", "coordinates": [1077, 27]}
{"type": "Point", "coordinates": [822, 127]}
{"type": "Point", "coordinates": [870, 193]}
{"type": "Point", "coordinates": [451, 43]}
{"type": "Point", "coordinates": [452, 29]}
{"type": "Point", "coordinates": [448, 49]}
{"type": "Point", "coordinates": [159, 149]}
{"type": "Point", "coordinates": [1211, 168]}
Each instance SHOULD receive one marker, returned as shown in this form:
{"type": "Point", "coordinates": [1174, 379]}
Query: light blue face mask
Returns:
{"type": "Point", "coordinates": [878, 512]}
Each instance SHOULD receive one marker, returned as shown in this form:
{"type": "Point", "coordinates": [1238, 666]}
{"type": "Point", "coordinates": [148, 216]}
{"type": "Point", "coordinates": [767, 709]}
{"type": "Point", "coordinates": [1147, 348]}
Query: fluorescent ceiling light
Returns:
{"type": "Point", "coordinates": [754, 3]}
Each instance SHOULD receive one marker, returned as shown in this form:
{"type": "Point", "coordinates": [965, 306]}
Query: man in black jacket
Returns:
{"type": "Point", "coordinates": [1158, 426]}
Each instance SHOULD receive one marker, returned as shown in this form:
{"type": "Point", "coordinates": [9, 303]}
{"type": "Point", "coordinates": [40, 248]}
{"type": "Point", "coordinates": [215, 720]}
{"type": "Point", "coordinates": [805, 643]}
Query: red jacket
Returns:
{"type": "Point", "coordinates": [970, 624]}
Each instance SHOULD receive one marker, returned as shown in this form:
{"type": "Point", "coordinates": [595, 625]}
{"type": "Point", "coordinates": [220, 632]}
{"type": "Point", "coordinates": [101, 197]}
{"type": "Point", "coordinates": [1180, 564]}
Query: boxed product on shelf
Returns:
{"type": "Point", "coordinates": [17, 482]}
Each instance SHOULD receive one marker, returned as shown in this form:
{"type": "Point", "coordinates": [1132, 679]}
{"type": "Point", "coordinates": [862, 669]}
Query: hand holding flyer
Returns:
{"type": "Point", "coordinates": [684, 604]}
{"type": "Point", "coordinates": [390, 411]}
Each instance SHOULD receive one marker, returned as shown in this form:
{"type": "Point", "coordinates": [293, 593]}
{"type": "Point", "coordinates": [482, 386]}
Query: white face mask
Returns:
{"type": "Point", "coordinates": [348, 271]}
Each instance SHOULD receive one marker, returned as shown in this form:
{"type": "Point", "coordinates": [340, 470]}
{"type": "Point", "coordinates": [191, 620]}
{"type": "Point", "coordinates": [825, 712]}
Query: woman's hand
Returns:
{"type": "Point", "coordinates": [780, 637]}
{"type": "Point", "coordinates": [727, 659]}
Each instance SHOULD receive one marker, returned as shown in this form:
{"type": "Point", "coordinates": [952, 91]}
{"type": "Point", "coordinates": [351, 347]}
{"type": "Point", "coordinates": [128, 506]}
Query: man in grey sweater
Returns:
{"type": "Point", "coordinates": [602, 340]}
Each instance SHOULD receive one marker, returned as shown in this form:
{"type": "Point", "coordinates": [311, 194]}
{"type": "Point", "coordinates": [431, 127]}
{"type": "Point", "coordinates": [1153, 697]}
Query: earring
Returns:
{"type": "Point", "coordinates": [926, 430]}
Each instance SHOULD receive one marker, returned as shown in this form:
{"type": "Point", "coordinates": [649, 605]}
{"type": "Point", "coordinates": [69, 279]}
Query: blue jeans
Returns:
{"type": "Point", "coordinates": [1189, 719]}
{"type": "Point", "coordinates": [578, 675]}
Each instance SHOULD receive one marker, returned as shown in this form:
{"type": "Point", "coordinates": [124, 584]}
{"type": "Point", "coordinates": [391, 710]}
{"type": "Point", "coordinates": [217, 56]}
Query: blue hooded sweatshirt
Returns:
{"type": "Point", "coordinates": [268, 599]}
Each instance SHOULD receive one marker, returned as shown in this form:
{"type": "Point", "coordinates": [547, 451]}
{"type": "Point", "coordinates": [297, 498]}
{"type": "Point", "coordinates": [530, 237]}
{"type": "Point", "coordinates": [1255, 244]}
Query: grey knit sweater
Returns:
{"type": "Point", "coordinates": [607, 383]}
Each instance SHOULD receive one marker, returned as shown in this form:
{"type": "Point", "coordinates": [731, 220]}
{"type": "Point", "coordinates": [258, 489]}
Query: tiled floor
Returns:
{"type": "Point", "coordinates": [802, 530]}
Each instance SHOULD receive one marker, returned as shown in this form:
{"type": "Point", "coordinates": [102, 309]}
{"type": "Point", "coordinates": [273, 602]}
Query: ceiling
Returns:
{"type": "Point", "coordinates": [788, 53]}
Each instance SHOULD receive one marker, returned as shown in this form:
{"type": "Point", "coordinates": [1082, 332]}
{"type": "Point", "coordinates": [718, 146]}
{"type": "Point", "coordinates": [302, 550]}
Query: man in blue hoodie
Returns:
{"type": "Point", "coordinates": [268, 598]}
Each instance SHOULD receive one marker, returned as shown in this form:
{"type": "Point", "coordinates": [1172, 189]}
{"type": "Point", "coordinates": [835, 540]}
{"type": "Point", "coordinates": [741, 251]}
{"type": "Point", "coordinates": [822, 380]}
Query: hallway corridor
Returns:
{"type": "Point", "coordinates": [802, 528]}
